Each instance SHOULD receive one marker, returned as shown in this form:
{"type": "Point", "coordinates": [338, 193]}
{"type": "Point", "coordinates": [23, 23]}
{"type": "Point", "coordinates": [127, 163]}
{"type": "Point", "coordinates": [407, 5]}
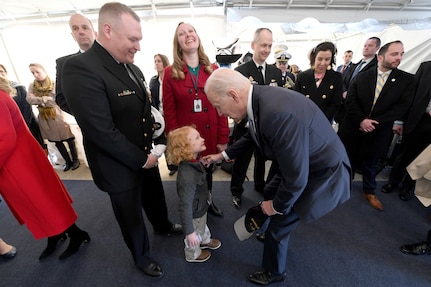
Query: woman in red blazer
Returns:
{"type": "Point", "coordinates": [30, 186]}
{"type": "Point", "coordinates": [184, 100]}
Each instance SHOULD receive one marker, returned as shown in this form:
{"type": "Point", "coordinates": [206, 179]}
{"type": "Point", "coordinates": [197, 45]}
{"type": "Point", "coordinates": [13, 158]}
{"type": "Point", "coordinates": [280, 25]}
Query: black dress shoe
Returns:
{"type": "Point", "coordinates": [75, 164]}
{"type": "Point", "coordinates": [52, 245]}
{"type": "Point", "coordinates": [260, 237]}
{"type": "Point", "coordinates": [9, 255]}
{"type": "Point", "coordinates": [214, 210]}
{"type": "Point", "coordinates": [387, 188]}
{"type": "Point", "coordinates": [67, 166]}
{"type": "Point", "coordinates": [265, 278]}
{"type": "Point", "coordinates": [153, 270]}
{"type": "Point", "coordinates": [236, 200]}
{"type": "Point", "coordinates": [75, 243]}
{"type": "Point", "coordinates": [405, 195]}
{"type": "Point", "coordinates": [175, 229]}
{"type": "Point", "coordinates": [416, 249]}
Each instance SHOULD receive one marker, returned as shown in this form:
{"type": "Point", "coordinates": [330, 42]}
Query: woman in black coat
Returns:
{"type": "Point", "coordinates": [321, 83]}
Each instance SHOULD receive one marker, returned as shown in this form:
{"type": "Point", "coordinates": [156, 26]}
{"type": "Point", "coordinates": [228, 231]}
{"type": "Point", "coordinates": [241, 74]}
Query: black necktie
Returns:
{"type": "Point", "coordinates": [261, 80]}
{"type": "Point", "coordinates": [130, 73]}
{"type": "Point", "coordinates": [357, 69]}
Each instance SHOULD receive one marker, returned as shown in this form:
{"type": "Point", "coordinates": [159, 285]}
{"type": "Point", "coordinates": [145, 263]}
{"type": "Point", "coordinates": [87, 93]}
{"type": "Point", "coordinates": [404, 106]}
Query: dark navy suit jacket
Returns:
{"type": "Point", "coordinates": [314, 170]}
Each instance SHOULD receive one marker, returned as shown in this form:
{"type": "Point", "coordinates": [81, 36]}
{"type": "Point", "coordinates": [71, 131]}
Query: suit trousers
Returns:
{"type": "Point", "coordinates": [154, 200]}
{"type": "Point", "coordinates": [128, 212]}
{"type": "Point", "coordinates": [277, 242]}
{"type": "Point", "coordinates": [241, 163]}
{"type": "Point", "coordinates": [412, 145]}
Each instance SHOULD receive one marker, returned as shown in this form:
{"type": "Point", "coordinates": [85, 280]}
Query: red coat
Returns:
{"type": "Point", "coordinates": [178, 99]}
{"type": "Point", "coordinates": [28, 183]}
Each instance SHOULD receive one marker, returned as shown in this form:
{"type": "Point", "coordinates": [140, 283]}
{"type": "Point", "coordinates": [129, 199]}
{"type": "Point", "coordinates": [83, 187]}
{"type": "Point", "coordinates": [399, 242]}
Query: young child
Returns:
{"type": "Point", "coordinates": [184, 146]}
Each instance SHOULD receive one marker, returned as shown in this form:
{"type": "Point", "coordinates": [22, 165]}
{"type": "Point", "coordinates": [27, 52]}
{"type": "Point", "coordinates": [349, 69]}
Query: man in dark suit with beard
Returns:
{"type": "Point", "coordinates": [313, 175]}
{"type": "Point", "coordinates": [107, 94]}
{"type": "Point", "coordinates": [260, 73]}
{"type": "Point", "coordinates": [377, 103]}
{"type": "Point", "coordinates": [416, 134]}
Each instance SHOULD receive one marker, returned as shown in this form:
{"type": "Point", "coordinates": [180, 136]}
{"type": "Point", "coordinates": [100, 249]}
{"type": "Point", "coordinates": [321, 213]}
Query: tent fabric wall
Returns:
{"type": "Point", "coordinates": [44, 42]}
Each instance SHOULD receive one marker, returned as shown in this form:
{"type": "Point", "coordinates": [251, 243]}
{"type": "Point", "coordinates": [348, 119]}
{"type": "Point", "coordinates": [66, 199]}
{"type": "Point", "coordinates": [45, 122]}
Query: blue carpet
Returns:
{"type": "Point", "coordinates": [353, 246]}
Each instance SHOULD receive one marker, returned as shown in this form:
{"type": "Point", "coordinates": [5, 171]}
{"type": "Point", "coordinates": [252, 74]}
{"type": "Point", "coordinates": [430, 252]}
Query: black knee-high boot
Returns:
{"type": "Point", "coordinates": [63, 151]}
{"type": "Point", "coordinates": [73, 153]}
{"type": "Point", "coordinates": [77, 237]}
{"type": "Point", "coordinates": [52, 245]}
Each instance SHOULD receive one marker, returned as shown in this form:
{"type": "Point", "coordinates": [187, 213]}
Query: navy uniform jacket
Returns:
{"type": "Point", "coordinates": [250, 71]}
{"type": "Point", "coordinates": [314, 170]}
{"type": "Point", "coordinates": [114, 114]}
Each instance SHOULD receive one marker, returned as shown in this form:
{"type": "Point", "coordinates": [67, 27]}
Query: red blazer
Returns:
{"type": "Point", "coordinates": [178, 100]}
{"type": "Point", "coordinates": [28, 183]}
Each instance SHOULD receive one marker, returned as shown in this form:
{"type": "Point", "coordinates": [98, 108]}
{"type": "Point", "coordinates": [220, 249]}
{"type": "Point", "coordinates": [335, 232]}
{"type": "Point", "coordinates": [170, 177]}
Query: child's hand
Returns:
{"type": "Point", "coordinates": [193, 239]}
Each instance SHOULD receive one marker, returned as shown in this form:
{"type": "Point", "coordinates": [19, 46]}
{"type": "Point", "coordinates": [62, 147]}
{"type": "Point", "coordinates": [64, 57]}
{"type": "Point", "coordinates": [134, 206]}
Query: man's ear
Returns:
{"type": "Point", "coordinates": [233, 95]}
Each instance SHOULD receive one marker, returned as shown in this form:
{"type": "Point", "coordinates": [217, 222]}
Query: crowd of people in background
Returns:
{"type": "Point", "coordinates": [365, 104]}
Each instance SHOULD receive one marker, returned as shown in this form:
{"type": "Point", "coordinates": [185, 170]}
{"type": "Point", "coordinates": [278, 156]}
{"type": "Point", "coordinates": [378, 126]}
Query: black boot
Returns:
{"type": "Point", "coordinates": [52, 245]}
{"type": "Point", "coordinates": [63, 151]}
{"type": "Point", "coordinates": [74, 154]}
{"type": "Point", "coordinates": [77, 237]}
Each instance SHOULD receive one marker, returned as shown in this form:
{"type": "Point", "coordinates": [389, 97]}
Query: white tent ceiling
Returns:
{"type": "Point", "coordinates": [13, 11]}
{"type": "Point", "coordinates": [298, 23]}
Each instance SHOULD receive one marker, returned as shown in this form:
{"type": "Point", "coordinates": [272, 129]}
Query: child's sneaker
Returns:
{"type": "Point", "coordinates": [205, 255]}
{"type": "Point", "coordinates": [213, 244]}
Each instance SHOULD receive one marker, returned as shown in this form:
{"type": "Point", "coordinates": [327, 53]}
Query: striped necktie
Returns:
{"type": "Point", "coordinates": [381, 79]}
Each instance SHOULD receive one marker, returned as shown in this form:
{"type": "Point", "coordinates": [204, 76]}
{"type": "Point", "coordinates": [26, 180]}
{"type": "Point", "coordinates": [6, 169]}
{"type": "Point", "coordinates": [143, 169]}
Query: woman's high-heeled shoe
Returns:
{"type": "Point", "coordinates": [52, 245]}
{"type": "Point", "coordinates": [76, 239]}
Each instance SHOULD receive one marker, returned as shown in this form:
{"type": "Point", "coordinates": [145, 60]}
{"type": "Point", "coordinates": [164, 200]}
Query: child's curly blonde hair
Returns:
{"type": "Point", "coordinates": [178, 146]}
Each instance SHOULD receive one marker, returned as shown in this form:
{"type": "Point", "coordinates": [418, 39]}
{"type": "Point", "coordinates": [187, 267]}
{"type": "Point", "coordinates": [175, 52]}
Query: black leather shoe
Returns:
{"type": "Point", "coordinates": [260, 237]}
{"type": "Point", "coordinates": [75, 164]}
{"type": "Point", "coordinates": [52, 245]}
{"type": "Point", "coordinates": [153, 270]}
{"type": "Point", "coordinates": [67, 166]}
{"type": "Point", "coordinates": [9, 255]}
{"type": "Point", "coordinates": [172, 172]}
{"type": "Point", "coordinates": [416, 249]}
{"type": "Point", "coordinates": [214, 210]}
{"type": "Point", "coordinates": [405, 195]}
{"type": "Point", "coordinates": [236, 200]}
{"type": "Point", "coordinates": [265, 278]}
{"type": "Point", "coordinates": [75, 244]}
{"type": "Point", "coordinates": [387, 188]}
{"type": "Point", "coordinates": [175, 229]}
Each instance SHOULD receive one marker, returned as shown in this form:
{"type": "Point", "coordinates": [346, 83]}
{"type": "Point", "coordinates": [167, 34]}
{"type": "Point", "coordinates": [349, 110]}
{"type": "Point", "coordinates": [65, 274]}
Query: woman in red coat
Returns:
{"type": "Point", "coordinates": [184, 100]}
{"type": "Point", "coordinates": [30, 186]}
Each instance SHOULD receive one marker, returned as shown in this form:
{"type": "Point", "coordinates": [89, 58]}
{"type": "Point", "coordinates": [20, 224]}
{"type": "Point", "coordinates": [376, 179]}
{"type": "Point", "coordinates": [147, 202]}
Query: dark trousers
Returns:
{"type": "Point", "coordinates": [128, 212]}
{"type": "Point", "coordinates": [369, 172]}
{"type": "Point", "coordinates": [412, 145]}
{"type": "Point", "coordinates": [277, 242]}
{"type": "Point", "coordinates": [127, 206]}
{"type": "Point", "coordinates": [154, 201]}
{"type": "Point", "coordinates": [241, 163]}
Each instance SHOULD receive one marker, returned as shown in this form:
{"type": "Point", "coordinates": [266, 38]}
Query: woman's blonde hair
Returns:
{"type": "Point", "coordinates": [178, 147]}
{"type": "Point", "coordinates": [177, 66]}
{"type": "Point", "coordinates": [5, 86]}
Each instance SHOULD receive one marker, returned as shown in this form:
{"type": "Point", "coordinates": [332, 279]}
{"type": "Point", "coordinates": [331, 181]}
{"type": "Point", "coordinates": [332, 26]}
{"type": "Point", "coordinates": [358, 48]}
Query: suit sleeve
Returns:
{"type": "Point", "coordinates": [59, 95]}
